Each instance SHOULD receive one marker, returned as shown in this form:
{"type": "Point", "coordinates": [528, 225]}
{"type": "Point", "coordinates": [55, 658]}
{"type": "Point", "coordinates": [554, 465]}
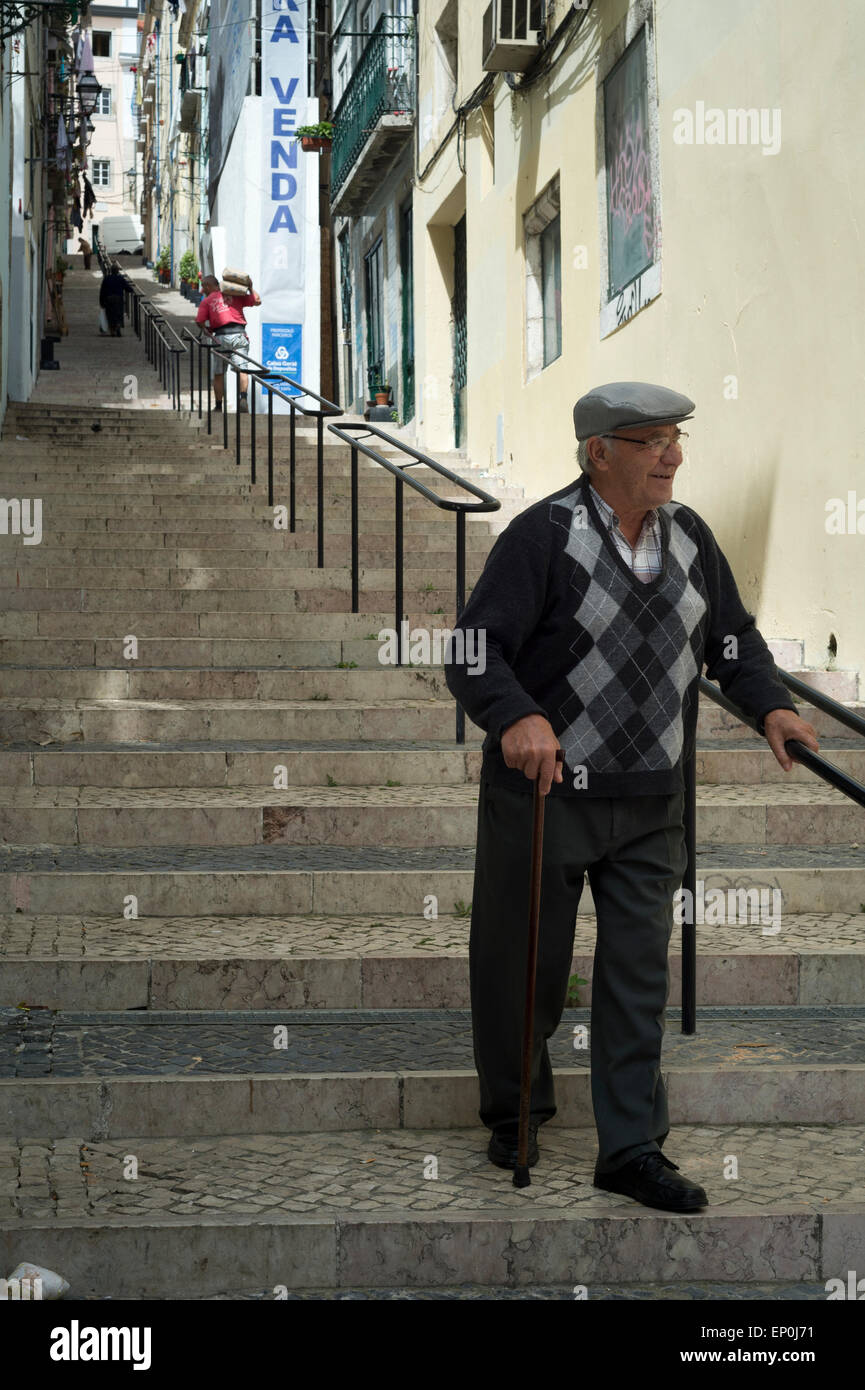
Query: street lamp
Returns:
{"type": "Point", "coordinates": [89, 88]}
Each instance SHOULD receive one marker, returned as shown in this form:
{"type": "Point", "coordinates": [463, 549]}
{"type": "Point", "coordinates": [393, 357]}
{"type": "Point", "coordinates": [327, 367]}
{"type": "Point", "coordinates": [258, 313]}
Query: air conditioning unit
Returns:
{"type": "Point", "coordinates": [510, 34]}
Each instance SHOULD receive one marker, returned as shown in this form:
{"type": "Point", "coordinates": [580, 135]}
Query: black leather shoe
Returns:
{"type": "Point", "coordinates": [502, 1148]}
{"type": "Point", "coordinates": [647, 1178]}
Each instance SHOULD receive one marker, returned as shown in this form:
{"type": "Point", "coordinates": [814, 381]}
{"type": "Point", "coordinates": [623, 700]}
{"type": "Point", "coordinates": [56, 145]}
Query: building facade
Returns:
{"type": "Point", "coordinates": [631, 191]}
{"type": "Point", "coordinates": [373, 67]}
{"type": "Point", "coordinates": [39, 154]}
{"type": "Point", "coordinates": [172, 141]}
{"type": "Point", "coordinates": [112, 31]}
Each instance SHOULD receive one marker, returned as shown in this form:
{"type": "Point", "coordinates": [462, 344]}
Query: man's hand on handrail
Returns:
{"type": "Point", "coordinates": [781, 724]}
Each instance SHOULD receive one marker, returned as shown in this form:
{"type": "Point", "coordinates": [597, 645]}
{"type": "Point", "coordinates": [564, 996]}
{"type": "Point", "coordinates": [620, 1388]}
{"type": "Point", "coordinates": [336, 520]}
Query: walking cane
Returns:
{"type": "Point", "coordinates": [521, 1172]}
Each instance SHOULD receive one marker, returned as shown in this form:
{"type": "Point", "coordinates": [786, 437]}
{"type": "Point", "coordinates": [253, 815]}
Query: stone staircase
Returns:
{"type": "Point", "coordinates": [236, 1049]}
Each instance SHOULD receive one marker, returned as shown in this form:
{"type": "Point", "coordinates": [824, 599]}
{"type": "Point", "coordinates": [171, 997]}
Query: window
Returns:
{"type": "Point", "coordinates": [101, 43]}
{"type": "Point", "coordinates": [629, 200]}
{"type": "Point", "coordinates": [101, 173]}
{"type": "Point", "coordinates": [374, 317]}
{"type": "Point", "coordinates": [543, 241]}
{"type": "Point", "coordinates": [630, 204]}
{"type": "Point", "coordinates": [551, 289]}
{"type": "Point", "coordinates": [103, 103]}
{"type": "Point", "coordinates": [341, 80]}
{"type": "Point", "coordinates": [447, 59]}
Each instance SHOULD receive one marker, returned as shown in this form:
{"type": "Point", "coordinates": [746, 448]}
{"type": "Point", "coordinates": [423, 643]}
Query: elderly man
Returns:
{"type": "Point", "coordinates": [226, 321]}
{"type": "Point", "coordinates": [600, 605]}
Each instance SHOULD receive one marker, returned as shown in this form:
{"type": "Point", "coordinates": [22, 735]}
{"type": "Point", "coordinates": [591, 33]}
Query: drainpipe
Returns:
{"type": "Point", "coordinates": [170, 118]}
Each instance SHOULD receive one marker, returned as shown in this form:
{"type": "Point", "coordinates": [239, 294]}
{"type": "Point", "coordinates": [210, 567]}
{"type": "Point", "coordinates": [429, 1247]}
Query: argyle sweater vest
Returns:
{"type": "Point", "coordinates": [568, 631]}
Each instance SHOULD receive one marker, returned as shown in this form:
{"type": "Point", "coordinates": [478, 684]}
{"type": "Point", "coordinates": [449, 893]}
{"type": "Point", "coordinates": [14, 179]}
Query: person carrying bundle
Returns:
{"type": "Point", "coordinates": [222, 310]}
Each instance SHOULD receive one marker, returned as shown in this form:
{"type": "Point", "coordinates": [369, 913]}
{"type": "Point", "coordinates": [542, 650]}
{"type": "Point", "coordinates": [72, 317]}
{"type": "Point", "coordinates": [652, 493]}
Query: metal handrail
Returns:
{"type": "Point", "coordinates": [401, 476]}
{"type": "Point", "coordinates": [823, 702]}
{"type": "Point", "coordinates": [259, 373]}
{"type": "Point", "coordinates": [800, 753]}
{"type": "Point", "coordinates": [148, 322]}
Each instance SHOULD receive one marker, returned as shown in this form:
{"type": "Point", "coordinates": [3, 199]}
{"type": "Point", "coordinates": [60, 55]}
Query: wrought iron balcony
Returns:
{"type": "Point", "coordinates": [374, 117]}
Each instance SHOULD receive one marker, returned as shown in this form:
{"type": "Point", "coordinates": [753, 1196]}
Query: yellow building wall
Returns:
{"type": "Point", "coordinates": [762, 281]}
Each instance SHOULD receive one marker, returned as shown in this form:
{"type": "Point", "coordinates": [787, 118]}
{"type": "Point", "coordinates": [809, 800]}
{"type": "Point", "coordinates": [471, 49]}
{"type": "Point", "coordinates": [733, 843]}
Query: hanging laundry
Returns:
{"type": "Point", "coordinates": [85, 56]}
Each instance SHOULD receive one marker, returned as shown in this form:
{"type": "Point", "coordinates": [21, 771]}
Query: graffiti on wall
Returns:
{"type": "Point", "coordinates": [630, 203]}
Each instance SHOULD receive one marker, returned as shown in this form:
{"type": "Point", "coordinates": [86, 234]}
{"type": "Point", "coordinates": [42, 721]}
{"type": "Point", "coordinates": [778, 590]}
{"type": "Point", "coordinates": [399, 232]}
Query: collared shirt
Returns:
{"type": "Point", "coordinates": [645, 559]}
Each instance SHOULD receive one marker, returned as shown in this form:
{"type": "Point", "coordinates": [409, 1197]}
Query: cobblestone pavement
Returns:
{"type": "Point", "coordinates": [794, 1167]}
{"type": "Point", "coordinates": [40, 1043]}
{"type": "Point", "coordinates": [258, 745]}
{"type": "Point", "coordinates": [285, 858]}
{"type": "Point", "coordinates": [481, 1293]}
{"type": "Point", "coordinates": [47, 935]}
{"type": "Point", "coordinates": [43, 936]}
{"type": "Point", "coordinates": [415, 794]}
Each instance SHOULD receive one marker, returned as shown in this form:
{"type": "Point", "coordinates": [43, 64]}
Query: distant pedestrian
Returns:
{"type": "Point", "coordinates": [111, 299]}
{"type": "Point", "coordinates": [86, 250]}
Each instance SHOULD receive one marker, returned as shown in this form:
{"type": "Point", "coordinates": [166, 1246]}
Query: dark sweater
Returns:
{"type": "Point", "coordinates": [613, 663]}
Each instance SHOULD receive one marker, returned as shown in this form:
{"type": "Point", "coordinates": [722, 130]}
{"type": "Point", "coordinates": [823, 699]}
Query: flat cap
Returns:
{"type": "Point", "coordinates": [627, 404]}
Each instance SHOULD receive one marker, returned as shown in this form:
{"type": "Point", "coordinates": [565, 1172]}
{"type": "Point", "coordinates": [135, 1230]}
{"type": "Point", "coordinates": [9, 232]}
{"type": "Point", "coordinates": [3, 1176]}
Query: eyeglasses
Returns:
{"type": "Point", "coordinates": [652, 446]}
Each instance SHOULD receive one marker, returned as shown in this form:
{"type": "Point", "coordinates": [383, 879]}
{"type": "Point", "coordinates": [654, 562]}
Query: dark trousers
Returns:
{"type": "Point", "coordinates": [114, 311]}
{"type": "Point", "coordinates": [633, 850]}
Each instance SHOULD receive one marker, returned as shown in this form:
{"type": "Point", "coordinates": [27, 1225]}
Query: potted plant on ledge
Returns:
{"type": "Point", "coordinates": [381, 391]}
{"type": "Point", "coordinates": [188, 269]}
{"type": "Point", "coordinates": [315, 137]}
{"type": "Point", "coordinates": [163, 266]}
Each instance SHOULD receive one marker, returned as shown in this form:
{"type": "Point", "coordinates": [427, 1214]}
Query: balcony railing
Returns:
{"type": "Point", "coordinates": [381, 84]}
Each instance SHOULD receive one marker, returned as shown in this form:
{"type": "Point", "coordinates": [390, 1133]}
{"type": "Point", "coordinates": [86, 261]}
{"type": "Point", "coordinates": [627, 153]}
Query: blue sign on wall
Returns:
{"type": "Point", "coordinates": [281, 352]}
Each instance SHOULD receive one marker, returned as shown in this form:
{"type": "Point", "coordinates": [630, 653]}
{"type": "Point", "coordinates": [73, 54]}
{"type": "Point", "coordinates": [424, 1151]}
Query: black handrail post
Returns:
{"type": "Point", "coordinates": [398, 596]}
{"type": "Point", "coordinates": [252, 428]}
{"type": "Point", "coordinates": [461, 599]}
{"type": "Point", "coordinates": [270, 448]}
{"type": "Point", "coordinates": [320, 477]}
{"type": "Point", "coordinates": [355, 607]}
{"type": "Point", "coordinates": [192, 384]}
{"type": "Point", "coordinates": [689, 914]}
{"type": "Point", "coordinates": [209, 384]}
{"type": "Point", "coordinates": [200, 388]}
{"type": "Point", "coordinates": [224, 403]}
{"type": "Point", "coordinates": [236, 415]}
{"type": "Point", "coordinates": [291, 471]}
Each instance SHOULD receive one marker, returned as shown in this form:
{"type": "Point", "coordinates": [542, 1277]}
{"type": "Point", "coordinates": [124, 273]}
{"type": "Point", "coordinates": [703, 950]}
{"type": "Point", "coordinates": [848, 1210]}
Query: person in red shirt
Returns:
{"type": "Point", "coordinates": [226, 324]}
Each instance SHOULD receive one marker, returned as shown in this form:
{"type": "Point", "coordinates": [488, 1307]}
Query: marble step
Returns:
{"type": "Point", "coordinates": [355, 1209]}
{"type": "Point", "coordinates": [281, 627]}
{"type": "Point", "coordinates": [110, 547]}
{"type": "Point", "coordinates": [125, 719]}
{"type": "Point", "coordinates": [103, 596]}
{"type": "Point", "coordinates": [63, 961]}
{"type": "Point", "coordinates": [279, 879]}
{"type": "Point", "coordinates": [394, 817]}
{"type": "Point", "coordinates": [278, 575]}
{"type": "Point", "coordinates": [234, 763]}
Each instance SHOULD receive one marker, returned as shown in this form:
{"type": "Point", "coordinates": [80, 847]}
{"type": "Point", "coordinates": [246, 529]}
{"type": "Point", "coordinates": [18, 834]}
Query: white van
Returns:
{"type": "Point", "coordinates": [122, 232]}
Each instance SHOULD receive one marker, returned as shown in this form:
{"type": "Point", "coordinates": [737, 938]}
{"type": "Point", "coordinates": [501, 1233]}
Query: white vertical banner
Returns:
{"type": "Point", "coordinates": [290, 252]}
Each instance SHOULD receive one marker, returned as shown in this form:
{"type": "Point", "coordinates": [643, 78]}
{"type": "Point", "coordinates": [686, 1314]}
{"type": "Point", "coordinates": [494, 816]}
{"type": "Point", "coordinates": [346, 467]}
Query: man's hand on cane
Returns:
{"type": "Point", "coordinates": [530, 745]}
